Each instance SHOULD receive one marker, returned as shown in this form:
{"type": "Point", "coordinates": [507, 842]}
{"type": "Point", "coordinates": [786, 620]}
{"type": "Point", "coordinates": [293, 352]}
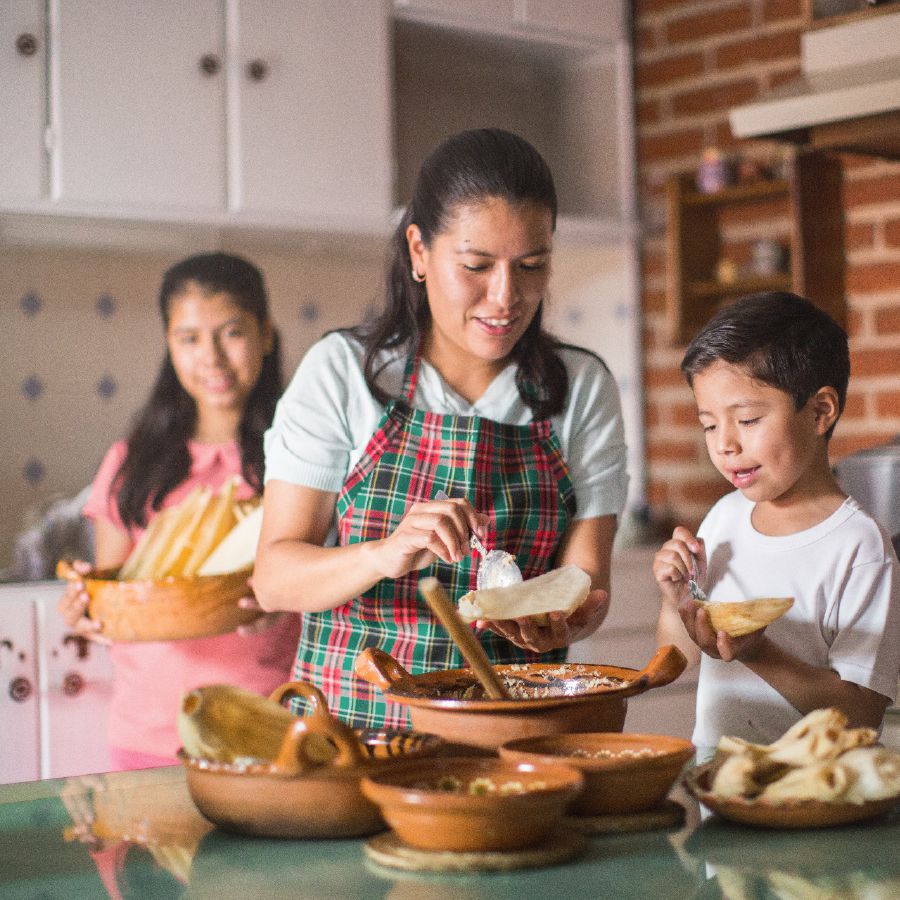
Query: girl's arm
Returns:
{"type": "Point", "coordinates": [295, 572]}
{"type": "Point", "coordinates": [587, 544]}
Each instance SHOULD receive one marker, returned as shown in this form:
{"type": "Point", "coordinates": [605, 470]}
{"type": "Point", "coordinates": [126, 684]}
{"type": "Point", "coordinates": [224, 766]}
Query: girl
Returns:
{"type": "Point", "coordinates": [204, 422]}
{"type": "Point", "coordinates": [455, 386]}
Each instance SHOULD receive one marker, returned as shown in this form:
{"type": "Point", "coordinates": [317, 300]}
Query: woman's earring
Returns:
{"type": "Point", "coordinates": [416, 276]}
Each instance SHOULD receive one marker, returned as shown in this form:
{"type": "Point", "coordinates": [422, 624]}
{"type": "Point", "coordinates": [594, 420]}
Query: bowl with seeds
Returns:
{"type": "Point", "coordinates": [624, 772]}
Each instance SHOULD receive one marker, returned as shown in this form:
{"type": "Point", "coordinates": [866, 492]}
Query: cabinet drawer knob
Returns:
{"type": "Point", "coordinates": [73, 684]}
{"type": "Point", "coordinates": [20, 689]}
{"type": "Point", "coordinates": [26, 44]}
{"type": "Point", "coordinates": [257, 70]}
{"type": "Point", "coordinates": [210, 64]}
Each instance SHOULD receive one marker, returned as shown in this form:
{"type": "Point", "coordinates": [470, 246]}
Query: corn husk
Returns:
{"type": "Point", "coordinates": [745, 616]}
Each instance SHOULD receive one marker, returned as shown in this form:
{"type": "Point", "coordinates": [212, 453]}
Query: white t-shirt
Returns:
{"type": "Point", "coordinates": [845, 581]}
{"type": "Point", "coordinates": [327, 416]}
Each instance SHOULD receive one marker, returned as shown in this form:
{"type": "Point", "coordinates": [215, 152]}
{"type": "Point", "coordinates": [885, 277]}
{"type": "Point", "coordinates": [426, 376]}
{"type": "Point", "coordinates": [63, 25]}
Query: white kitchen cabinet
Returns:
{"type": "Point", "coordinates": [22, 100]}
{"type": "Point", "coordinates": [276, 111]}
{"type": "Point", "coordinates": [54, 689]}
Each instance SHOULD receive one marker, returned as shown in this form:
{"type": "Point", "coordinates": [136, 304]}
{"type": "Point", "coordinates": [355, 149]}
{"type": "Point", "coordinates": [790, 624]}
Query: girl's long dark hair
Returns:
{"type": "Point", "coordinates": [469, 167]}
{"type": "Point", "coordinates": [158, 459]}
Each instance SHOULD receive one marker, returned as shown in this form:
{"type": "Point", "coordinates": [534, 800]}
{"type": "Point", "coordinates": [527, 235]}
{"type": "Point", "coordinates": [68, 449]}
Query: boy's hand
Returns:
{"type": "Point", "coordinates": [717, 644]}
{"type": "Point", "coordinates": [673, 565]}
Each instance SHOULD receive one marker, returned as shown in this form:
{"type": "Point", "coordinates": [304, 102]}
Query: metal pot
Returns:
{"type": "Point", "coordinates": [435, 706]}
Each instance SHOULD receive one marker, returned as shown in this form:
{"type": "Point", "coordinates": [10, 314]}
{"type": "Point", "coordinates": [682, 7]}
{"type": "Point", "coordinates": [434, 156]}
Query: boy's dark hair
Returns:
{"type": "Point", "coordinates": [779, 339]}
{"type": "Point", "coordinates": [468, 167]}
{"type": "Point", "coordinates": [158, 458]}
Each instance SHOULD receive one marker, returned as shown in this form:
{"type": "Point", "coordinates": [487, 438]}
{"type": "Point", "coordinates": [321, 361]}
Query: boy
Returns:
{"type": "Point", "coordinates": [769, 375]}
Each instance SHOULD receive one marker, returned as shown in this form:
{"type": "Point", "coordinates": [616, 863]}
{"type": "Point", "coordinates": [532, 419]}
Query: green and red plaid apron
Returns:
{"type": "Point", "coordinates": [516, 473]}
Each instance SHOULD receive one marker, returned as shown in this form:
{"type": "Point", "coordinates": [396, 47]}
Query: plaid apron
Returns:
{"type": "Point", "coordinates": [516, 473]}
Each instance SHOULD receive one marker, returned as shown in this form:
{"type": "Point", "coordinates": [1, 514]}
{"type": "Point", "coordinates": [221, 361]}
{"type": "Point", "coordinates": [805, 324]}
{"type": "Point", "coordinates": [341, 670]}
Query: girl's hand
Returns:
{"type": "Point", "coordinates": [673, 565]}
{"type": "Point", "coordinates": [430, 530]}
{"type": "Point", "coordinates": [73, 607]}
{"type": "Point", "coordinates": [559, 631]}
{"type": "Point", "coordinates": [717, 644]}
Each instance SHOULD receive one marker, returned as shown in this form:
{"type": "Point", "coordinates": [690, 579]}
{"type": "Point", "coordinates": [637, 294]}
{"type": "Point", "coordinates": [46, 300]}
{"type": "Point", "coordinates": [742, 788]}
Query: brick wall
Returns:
{"type": "Point", "coordinates": [694, 60]}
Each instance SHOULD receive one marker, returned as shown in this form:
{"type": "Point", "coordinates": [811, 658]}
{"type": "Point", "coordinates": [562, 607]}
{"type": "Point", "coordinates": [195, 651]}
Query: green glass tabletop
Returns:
{"type": "Point", "coordinates": [138, 835]}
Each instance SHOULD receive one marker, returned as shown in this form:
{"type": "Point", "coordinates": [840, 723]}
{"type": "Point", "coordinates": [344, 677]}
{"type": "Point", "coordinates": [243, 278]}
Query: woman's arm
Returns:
{"type": "Point", "coordinates": [295, 572]}
{"type": "Point", "coordinates": [587, 544]}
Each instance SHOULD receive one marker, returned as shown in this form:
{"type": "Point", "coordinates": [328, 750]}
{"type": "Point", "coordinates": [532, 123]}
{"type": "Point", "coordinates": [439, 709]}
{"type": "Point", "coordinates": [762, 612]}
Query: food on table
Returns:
{"type": "Point", "coordinates": [745, 616]}
{"type": "Point", "coordinates": [180, 541]}
{"type": "Point", "coordinates": [560, 590]}
{"type": "Point", "coordinates": [819, 759]}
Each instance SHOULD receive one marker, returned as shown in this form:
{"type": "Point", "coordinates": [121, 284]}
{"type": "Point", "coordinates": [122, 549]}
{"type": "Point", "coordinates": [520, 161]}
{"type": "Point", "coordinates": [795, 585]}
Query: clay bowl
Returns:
{"type": "Point", "coordinates": [470, 804]}
{"type": "Point", "coordinates": [567, 697]}
{"type": "Point", "coordinates": [623, 773]}
{"type": "Point", "coordinates": [301, 793]}
{"type": "Point", "coordinates": [165, 610]}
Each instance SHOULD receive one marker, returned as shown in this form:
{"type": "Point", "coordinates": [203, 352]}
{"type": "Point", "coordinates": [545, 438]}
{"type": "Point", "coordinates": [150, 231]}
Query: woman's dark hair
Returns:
{"type": "Point", "coordinates": [469, 167]}
{"type": "Point", "coordinates": [158, 459]}
{"type": "Point", "coordinates": [779, 339]}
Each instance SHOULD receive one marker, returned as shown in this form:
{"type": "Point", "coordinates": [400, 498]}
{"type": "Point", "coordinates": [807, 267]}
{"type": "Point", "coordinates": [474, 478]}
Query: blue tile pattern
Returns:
{"type": "Point", "coordinates": [31, 304]}
{"type": "Point", "coordinates": [107, 387]}
{"type": "Point", "coordinates": [105, 306]}
{"type": "Point", "coordinates": [34, 471]}
{"type": "Point", "coordinates": [309, 311]}
{"type": "Point", "coordinates": [32, 387]}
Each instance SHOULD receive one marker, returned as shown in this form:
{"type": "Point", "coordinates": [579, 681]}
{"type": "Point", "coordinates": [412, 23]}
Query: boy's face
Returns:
{"type": "Point", "coordinates": [755, 436]}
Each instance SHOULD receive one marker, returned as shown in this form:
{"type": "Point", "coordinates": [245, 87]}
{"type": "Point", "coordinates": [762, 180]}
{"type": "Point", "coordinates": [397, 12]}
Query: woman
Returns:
{"type": "Point", "coordinates": [454, 387]}
{"type": "Point", "coordinates": [203, 424]}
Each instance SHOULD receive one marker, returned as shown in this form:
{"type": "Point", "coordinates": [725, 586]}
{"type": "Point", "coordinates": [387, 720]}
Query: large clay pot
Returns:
{"type": "Point", "coordinates": [489, 723]}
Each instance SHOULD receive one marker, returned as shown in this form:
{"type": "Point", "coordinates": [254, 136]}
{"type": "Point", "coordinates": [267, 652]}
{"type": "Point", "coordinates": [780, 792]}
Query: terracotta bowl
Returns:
{"type": "Point", "coordinates": [573, 700]}
{"type": "Point", "coordinates": [623, 772]}
{"type": "Point", "coordinates": [165, 610]}
{"type": "Point", "coordinates": [471, 804]}
{"type": "Point", "coordinates": [300, 794]}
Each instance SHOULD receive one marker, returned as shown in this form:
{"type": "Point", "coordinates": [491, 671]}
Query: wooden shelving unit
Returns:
{"type": "Point", "coordinates": [812, 192]}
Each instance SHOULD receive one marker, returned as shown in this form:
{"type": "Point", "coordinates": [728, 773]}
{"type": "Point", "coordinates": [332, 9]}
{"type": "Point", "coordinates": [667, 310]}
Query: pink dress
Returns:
{"type": "Point", "coordinates": [152, 677]}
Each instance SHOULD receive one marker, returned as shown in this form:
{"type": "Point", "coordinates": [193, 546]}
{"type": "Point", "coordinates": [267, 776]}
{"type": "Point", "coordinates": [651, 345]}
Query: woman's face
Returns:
{"type": "Point", "coordinates": [216, 347]}
{"type": "Point", "coordinates": [485, 276]}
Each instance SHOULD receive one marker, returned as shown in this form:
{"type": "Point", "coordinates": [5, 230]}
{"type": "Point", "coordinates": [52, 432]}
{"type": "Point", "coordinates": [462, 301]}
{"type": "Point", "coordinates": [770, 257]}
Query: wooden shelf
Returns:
{"type": "Point", "coordinates": [695, 242]}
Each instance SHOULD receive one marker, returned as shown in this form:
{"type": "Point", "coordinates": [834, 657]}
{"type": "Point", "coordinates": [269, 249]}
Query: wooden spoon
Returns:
{"type": "Point", "coordinates": [473, 653]}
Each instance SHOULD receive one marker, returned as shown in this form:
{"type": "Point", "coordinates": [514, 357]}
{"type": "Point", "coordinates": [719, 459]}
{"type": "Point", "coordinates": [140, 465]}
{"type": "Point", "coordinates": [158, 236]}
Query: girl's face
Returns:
{"type": "Point", "coordinates": [217, 349]}
{"type": "Point", "coordinates": [485, 276]}
{"type": "Point", "coordinates": [755, 435]}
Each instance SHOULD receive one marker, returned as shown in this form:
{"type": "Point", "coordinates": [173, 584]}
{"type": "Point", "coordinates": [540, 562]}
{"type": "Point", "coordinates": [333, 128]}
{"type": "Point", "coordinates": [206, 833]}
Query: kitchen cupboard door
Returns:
{"type": "Point", "coordinates": [77, 690]}
{"type": "Point", "coordinates": [22, 100]}
{"type": "Point", "coordinates": [138, 105]}
{"type": "Point", "coordinates": [19, 698]}
{"type": "Point", "coordinates": [311, 138]}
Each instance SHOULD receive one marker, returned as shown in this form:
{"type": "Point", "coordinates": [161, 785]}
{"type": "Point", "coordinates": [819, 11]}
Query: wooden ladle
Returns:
{"type": "Point", "coordinates": [473, 653]}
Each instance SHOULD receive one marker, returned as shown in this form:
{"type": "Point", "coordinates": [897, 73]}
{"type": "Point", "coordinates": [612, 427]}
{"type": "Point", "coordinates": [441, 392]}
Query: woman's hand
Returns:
{"type": "Point", "coordinates": [73, 607]}
{"type": "Point", "coordinates": [673, 564]}
{"type": "Point", "coordinates": [559, 631]}
{"type": "Point", "coordinates": [430, 530]}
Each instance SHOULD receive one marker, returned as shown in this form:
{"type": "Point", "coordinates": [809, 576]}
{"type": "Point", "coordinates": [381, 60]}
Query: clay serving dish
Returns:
{"type": "Point", "coordinates": [470, 804]}
{"type": "Point", "coordinates": [304, 793]}
{"type": "Point", "coordinates": [165, 610]}
{"type": "Point", "coordinates": [795, 814]}
{"type": "Point", "coordinates": [567, 697]}
{"type": "Point", "coordinates": [623, 773]}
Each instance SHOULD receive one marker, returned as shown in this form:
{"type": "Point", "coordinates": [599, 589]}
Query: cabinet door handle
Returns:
{"type": "Point", "coordinates": [73, 684]}
{"type": "Point", "coordinates": [27, 44]}
{"type": "Point", "coordinates": [20, 689]}
{"type": "Point", "coordinates": [257, 70]}
{"type": "Point", "coordinates": [210, 64]}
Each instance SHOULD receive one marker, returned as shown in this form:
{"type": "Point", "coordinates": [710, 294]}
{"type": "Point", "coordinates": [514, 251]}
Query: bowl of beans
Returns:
{"type": "Point", "coordinates": [624, 772]}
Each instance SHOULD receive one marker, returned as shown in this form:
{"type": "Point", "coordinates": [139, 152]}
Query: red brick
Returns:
{"type": "Point", "coordinates": [647, 112]}
{"type": "Point", "coordinates": [710, 23]}
{"type": "Point", "coordinates": [872, 190]}
{"type": "Point", "coordinates": [861, 236]}
{"type": "Point", "coordinates": [887, 321]}
{"type": "Point", "coordinates": [658, 493]}
{"type": "Point", "coordinates": [783, 76]}
{"type": "Point", "coordinates": [672, 451]}
{"type": "Point", "coordinates": [892, 233]}
{"type": "Point", "coordinates": [685, 414]}
{"type": "Point", "coordinates": [654, 301]}
{"type": "Point", "coordinates": [644, 39]}
{"type": "Point", "coordinates": [887, 404]}
{"type": "Point", "coordinates": [882, 276]}
{"type": "Point", "coordinates": [855, 407]}
{"type": "Point", "coordinates": [778, 10]}
{"type": "Point", "coordinates": [668, 70]}
{"type": "Point", "coordinates": [673, 145]}
{"type": "Point", "coordinates": [760, 48]}
{"type": "Point", "coordinates": [855, 320]}
{"type": "Point", "coordinates": [656, 378]}
{"type": "Point", "coordinates": [653, 262]}
{"type": "Point", "coordinates": [875, 361]}
{"type": "Point", "coordinates": [844, 445]}
{"type": "Point", "coordinates": [710, 99]}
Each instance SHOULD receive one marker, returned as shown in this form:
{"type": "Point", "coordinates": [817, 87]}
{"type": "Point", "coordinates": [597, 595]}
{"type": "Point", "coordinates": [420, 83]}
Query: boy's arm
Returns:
{"type": "Point", "coordinates": [807, 687]}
